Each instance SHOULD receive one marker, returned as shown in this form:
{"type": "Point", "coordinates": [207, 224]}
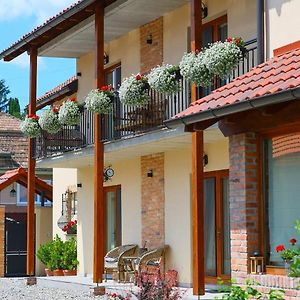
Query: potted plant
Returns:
{"type": "Point", "coordinates": [70, 228]}
{"type": "Point", "coordinates": [49, 121]}
{"type": "Point", "coordinates": [69, 258]}
{"type": "Point", "coordinates": [134, 91]}
{"type": "Point", "coordinates": [165, 79]}
{"type": "Point", "coordinates": [56, 256]}
{"type": "Point", "coordinates": [30, 126]}
{"type": "Point", "coordinates": [69, 113]}
{"type": "Point", "coordinates": [43, 254]}
{"type": "Point", "coordinates": [100, 101]}
{"type": "Point", "coordinates": [194, 69]}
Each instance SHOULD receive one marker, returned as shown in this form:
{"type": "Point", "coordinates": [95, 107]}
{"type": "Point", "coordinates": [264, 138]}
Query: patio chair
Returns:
{"type": "Point", "coordinates": [113, 260]}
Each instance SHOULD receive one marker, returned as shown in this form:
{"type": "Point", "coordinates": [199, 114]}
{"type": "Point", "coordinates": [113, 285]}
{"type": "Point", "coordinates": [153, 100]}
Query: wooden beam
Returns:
{"type": "Point", "coordinates": [197, 168]}
{"type": "Point", "coordinates": [31, 167]}
{"type": "Point", "coordinates": [99, 201]}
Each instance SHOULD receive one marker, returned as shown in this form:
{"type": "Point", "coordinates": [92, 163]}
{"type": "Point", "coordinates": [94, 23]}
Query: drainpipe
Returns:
{"type": "Point", "coordinates": [260, 30]}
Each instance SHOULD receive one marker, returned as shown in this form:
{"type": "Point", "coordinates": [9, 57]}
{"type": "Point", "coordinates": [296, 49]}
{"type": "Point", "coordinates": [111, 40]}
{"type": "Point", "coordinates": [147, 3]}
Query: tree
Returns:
{"type": "Point", "coordinates": [4, 91]}
{"type": "Point", "coordinates": [14, 107]}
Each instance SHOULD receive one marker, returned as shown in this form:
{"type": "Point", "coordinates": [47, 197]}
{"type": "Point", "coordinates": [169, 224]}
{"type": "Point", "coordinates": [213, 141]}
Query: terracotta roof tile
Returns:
{"type": "Point", "coordinates": [280, 73]}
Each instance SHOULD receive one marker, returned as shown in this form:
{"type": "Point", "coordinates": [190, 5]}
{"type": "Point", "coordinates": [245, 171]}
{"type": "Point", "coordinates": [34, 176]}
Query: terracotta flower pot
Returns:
{"type": "Point", "coordinates": [48, 272]}
{"type": "Point", "coordinates": [58, 272]}
{"type": "Point", "coordinates": [70, 272]}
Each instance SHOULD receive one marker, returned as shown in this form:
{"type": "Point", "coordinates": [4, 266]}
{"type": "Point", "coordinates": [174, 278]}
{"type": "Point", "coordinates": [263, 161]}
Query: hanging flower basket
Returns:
{"type": "Point", "coordinates": [69, 113]}
{"type": "Point", "coordinates": [134, 91]}
{"type": "Point", "coordinates": [193, 68]}
{"type": "Point", "coordinates": [30, 126]}
{"type": "Point", "coordinates": [100, 101]}
{"type": "Point", "coordinates": [49, 121]}
{"type": "Point", "coordinates": [222, 58]}
{"type": "Point", "coordinates": [165, 79]}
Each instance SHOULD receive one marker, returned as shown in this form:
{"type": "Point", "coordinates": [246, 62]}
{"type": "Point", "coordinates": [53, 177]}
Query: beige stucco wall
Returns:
{"type": "Point", "coordinates": [43, 232]}
{"type": "Point", "coordinates": [282, 23]}
{"type": "Point", "coordinates": [62, 179]}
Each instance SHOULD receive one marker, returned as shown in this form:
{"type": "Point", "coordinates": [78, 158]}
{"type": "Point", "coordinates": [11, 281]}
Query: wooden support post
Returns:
{"type": "Point", "coordinates": [197, 168]}
{"type": "Point", "coordinates": [99, 201]}
{"type": "Point", "coordinates": [31, 168]}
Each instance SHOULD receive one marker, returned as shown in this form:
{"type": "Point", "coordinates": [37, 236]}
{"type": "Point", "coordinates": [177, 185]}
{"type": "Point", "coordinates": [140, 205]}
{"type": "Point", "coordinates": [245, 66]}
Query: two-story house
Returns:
{"type": "Point", "coordinates": [160, 193]}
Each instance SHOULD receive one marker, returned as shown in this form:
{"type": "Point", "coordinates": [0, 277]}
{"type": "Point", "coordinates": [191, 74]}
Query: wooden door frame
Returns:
{"type": "Point", "coordinates": [115, 189]}
{"type": "Point", "coordinates": [215, 23]}
{"type": "Point", "coordinates": [218, 175]}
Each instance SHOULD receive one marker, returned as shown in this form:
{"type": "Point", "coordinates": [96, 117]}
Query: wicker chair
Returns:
{"type": "Point", "coordinates": [113, 260]}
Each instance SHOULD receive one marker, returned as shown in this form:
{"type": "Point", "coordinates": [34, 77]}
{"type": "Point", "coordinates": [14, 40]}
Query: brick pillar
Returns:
{"type": "Point", "coordinates": [244, 211]}
{"type": "Point", "coordinates": [151, 54]}
{"type": "Point", "coordinates": [2, 240]}
{"type": "Point", "coordinates": [153, 200]}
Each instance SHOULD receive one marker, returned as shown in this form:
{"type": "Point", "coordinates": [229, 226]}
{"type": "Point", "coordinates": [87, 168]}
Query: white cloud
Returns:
{"type": "Point", "coordinates": [41, 10]}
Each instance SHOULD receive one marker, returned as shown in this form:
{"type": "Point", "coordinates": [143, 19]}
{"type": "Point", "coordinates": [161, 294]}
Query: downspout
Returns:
{"type": "Point", "coordinates": [260, 7]}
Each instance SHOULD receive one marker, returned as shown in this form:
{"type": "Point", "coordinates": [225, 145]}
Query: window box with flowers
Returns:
{"type": "Point", "coordinates": [134, 91]}
{"type": "Point", "coordinates": [70, 228]}
{"type": "Point", "coordinates": [100, 100]}
{"type": "Point", "coordinates": [30, 126]}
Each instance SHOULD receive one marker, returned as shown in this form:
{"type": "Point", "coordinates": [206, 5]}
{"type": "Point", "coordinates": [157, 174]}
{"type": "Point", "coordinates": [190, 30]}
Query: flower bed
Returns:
{"type": "Point", "coordinates": [30, 126]}
{"type": "Point", "coordinates": [100, 101]}
{"type": "Point", "coordinates": [134, 91]}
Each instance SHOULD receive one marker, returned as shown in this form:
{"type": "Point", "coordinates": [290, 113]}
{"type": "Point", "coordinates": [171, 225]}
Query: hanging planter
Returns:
{"type": "Point", "coordinates": [100, 101]}
{"type": "Point", "coordinates": [193, 68]}
{"type": "Point", "coordinates": [30, 126]}
{"type": "Point", "coordinates": [49, 121]}
{"type": "Point", "coordinates": [165, 79]}
{"type": "Point", "coordinates": [222, 58]}
{"type": "Point", "coordinates": [134, 91]}
{"type": "Point", "coordinates": [69, 113]}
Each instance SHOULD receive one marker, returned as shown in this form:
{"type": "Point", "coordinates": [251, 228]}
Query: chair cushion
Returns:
{"type": "Point", "coordinates": [110, 259]}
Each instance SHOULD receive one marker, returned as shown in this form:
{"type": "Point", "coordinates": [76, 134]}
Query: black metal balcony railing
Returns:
{"type": "Point", "coordinates": [127, 121]}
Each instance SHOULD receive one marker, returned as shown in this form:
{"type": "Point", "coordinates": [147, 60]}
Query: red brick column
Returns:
{"type": "Point", "coordinates": [153, 200]}
{"type": "Point", "coordinates": [151, 54]}
{"type": "Point", "coordinates": [244, 208]}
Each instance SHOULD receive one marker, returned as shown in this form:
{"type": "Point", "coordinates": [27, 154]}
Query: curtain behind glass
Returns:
{"type": "Point", "coordinates": [284, 198]}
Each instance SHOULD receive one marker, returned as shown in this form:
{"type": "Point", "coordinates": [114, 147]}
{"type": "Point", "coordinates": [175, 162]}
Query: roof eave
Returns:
{"type": "Point", "coordinates": [221, 112]}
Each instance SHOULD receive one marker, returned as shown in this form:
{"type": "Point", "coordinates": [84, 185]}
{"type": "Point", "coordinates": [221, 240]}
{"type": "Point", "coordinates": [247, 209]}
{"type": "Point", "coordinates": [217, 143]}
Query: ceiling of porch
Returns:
{"type": "Point", "coordinates": [121, 17]}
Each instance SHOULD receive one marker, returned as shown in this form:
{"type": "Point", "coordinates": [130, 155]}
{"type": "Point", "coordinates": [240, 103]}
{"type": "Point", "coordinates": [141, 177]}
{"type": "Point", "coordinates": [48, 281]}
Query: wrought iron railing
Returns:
{"type": "Point", "coordinates": [127, 121]}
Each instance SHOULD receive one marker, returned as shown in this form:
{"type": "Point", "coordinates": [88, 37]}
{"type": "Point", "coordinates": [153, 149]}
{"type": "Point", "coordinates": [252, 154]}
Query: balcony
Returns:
{"type": "Point", "coordinates": [129, 122]}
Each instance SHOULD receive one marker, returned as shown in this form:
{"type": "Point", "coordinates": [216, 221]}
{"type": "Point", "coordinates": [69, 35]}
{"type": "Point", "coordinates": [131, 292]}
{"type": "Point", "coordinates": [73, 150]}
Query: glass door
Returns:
{"type": "Point", "coordinates": [113, 216]}
{"type": "Point", "coordinates": [217, 226]}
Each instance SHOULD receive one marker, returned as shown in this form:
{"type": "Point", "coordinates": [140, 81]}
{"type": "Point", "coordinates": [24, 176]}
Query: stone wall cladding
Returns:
{"type": "Point", "coordinates": [153, 200]}
{"type": "Point", "coordinates": [2, 240]}
{"type": "Point", "coordinates": [243, 186]}
{"type": "Point", "coordinates": [151, 54]}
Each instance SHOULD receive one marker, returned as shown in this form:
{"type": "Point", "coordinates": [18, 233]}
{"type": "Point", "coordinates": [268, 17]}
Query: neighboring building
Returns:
{"type": "Point", "coordinates": [149, 199]}
{"type": "Point", "coordinates": [13, 201]}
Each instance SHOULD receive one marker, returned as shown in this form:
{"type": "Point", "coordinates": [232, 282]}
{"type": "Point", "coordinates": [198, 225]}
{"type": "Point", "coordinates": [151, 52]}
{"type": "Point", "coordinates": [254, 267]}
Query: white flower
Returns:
{"type": "Point", "coordinates": [49, 121]}
{"type": "Point", "coordinates": [164, 79]}
{"type": "Point", "coordinates": [69, 113]}
{"type": "Point", "coordinates": [30, 127]}
{"type": "Point", "coordinates": [99, 101]}
{"type": "Point", "coordinates": [222, 58]}
{"type": "Point", "coordinates": [134, 91]}
{"type": "Point", "coordinates": [193, 68]}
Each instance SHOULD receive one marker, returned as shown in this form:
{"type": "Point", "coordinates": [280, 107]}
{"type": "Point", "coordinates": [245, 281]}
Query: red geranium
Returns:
{"type": "Point", "coordinates": [293, 241]}
{"type": "Point", "coordinates": [229, 40]}
{"type": "Point", "coordinates": [55, 110]}
{"type": "Point", "coordinates": [138, 77]}
{"type": "Point", "coordinates": [106, 88]}
{"type": "Point", "coordinates": [34, 117]}
{"type": "Point", "coordinates": [280, 248]}
{"type": "Point", "coordinates": [73, 99]}
{"type": "Point", "coordinates": [70, 225]}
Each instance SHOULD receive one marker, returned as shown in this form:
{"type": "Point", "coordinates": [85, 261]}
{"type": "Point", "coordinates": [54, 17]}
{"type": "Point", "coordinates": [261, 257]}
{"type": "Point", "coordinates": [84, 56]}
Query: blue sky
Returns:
{"type": "Point", "coordinates": [18, 17]}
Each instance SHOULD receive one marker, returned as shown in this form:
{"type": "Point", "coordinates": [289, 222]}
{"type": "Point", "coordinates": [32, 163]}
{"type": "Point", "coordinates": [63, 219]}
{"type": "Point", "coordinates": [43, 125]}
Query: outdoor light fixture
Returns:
{"type": "Point", "coordinates": [204, 10]}
{"type": "Point", "coordinates": [205, 160]}
{"type": "Point", "coordinates": [106, 58]}
{"type": "Point", "coordinates": [13, 192]}
{"type": "Point", "coordinates": [150, 173]}
{"type": "Point", "coordinates": [149, 39]}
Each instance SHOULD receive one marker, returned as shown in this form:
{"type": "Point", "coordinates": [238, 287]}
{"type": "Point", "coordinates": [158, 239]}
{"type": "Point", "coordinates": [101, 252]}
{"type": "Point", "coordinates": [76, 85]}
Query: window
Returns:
{"type": "Point", "coordinates": [22, 196]}
{"type": "Point", "coordinates": [282, 191]}
{"type": "Point", "coordinates": [113, 76]}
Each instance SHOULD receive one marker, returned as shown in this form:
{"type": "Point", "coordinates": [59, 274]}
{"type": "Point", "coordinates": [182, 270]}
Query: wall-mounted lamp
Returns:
{"type": "Point", "coordinates": [149, 39]}
{"type": "Point", "coordinates": [79, 185]}
{"type": "Point", "coordinates": [150, 173]}
{"type": "Point", "coordinates": [78, 74]}
{"type": "Point", "coordinates": [106, 58]}
{"type": "Point", "coordinates": [205, 160]}
{"type": "Point", "coordinates": [13, 192]}
{"type": "Point", "coordinates": [204, 10]}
